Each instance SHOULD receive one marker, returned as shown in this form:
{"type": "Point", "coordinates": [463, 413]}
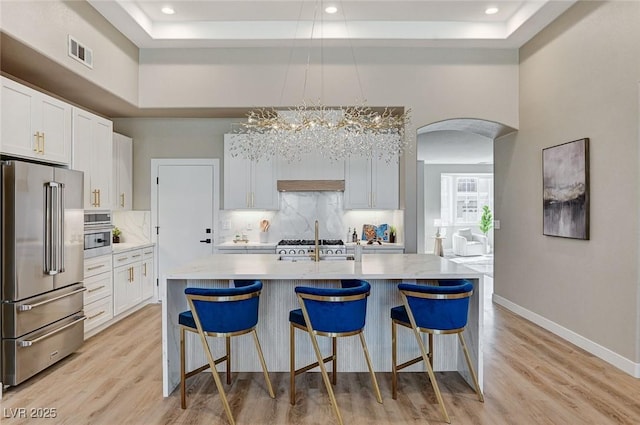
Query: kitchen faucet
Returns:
{"type": "Point", "coordinates": [316, 251]}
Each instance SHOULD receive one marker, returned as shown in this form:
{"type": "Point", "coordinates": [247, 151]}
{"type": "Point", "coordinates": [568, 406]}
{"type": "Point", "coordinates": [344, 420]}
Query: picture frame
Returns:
{"type": "Point", "coordinates": [565, 190]}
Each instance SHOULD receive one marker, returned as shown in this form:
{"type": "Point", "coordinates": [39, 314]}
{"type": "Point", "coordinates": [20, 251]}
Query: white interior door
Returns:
{"type": "Point", "coordinates": [186, 210]}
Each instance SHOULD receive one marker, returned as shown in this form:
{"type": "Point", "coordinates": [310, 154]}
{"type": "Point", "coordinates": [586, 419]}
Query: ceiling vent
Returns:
{"type": "Point", "coordinates": [80, 52]}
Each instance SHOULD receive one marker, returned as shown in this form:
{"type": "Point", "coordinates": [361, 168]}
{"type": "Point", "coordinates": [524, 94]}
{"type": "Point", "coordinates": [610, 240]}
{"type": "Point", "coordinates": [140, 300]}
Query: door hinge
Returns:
{"type": "Point", "coordinates": [157, 230]}
{"type": "Point", "coordinates": [157, 282]}
{"type": "Point", "coordinates": [157, 180]}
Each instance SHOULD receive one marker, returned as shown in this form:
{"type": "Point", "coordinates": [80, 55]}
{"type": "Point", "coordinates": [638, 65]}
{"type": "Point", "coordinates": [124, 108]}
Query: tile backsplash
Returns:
{"type": "Point", "coordinates": [297, 215]}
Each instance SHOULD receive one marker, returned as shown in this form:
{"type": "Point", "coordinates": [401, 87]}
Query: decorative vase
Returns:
{"type": "Point", "coordinates": [392, 238]}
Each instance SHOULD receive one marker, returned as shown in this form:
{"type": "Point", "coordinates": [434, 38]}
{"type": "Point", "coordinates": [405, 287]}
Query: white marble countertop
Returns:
{"type": "Point", "coordinates": [374, 246]}
{"type": "Point", "coordinates": [373, 266]}
{"type": "Point", "coordinates": [244, 245]}
{"type": "Point", "coordinates": [129, 246]}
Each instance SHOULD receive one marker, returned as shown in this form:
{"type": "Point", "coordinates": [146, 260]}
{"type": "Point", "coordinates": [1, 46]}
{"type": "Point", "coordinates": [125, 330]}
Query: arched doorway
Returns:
{"type": "Point", "coordinates": [454, 154]}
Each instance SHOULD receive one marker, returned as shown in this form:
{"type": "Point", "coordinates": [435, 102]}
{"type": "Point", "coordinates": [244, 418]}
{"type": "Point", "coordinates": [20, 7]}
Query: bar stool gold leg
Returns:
{"type": "Point", "coordinates": [431, 354]}
{"type": "Point", "coordinates": [292, 365]}
{"type": "Point", "coordinates": [183, 378]}
{"type": "Point", "coordinates": [373, 375]}
{"type": "Point", "coordinates": [473, 372]}
{"type": "Point", "coordinates": [334, 346]}
{"type": "Point", "coordinates": [432, 376]}
{"type": "Point", "coordinates": [228, 347]}
{"type": "Point", "coordinates": [325, 377]}
{"type": "Point", "coordinates": [263, 363]}
{"type": "Point", "coordinates": [216, 378]}
{"type": "Point", "coordinates": [394, 361]}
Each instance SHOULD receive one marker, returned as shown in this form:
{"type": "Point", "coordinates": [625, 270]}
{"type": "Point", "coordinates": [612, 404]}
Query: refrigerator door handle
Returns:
{"type": "Point", "coordinates": [60, 264]}
{"type": "Point", "coordinates": [48, 192]}
{"type": "Point", "coordinates": [52, 229]}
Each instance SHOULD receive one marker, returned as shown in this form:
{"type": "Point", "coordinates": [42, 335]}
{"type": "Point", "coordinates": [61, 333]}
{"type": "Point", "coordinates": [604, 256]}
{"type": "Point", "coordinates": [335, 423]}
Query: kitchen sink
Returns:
{"type": "Point", "coordinates": [323, 257]}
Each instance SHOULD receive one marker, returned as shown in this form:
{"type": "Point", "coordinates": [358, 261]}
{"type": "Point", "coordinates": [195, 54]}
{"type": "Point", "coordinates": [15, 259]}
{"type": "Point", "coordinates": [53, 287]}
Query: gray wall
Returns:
{"type": "Point", "coordinates": [45, 25]}
{"type": "Point", "coordinates": [170, 138]}
{"type": "Point", "coordinates": [578, 78]}
{"type": "Point", "coordinates": [432, 197]}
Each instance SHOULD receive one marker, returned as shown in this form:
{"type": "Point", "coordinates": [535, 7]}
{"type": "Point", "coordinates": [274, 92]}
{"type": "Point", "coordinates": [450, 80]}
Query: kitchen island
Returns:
{"type": "Point", "coordinates": [280, 278]}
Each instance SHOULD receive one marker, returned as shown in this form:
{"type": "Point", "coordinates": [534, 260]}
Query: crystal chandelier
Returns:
{"type": "Point", "coordinates": [336, 133]}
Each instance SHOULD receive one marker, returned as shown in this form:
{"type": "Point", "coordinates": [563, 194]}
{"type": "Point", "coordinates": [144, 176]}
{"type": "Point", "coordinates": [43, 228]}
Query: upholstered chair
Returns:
{"type": "Point", "coordinates": [441, 309]}
{"type": "Point", "coordinates": [224, 313]}
{"type": "Point", "coordinates": [333, 313]}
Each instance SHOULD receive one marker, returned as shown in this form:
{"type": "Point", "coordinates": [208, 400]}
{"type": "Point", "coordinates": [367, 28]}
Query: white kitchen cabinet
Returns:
{"type": "Point", "coordinates": [127, 280]}
{"type": "Point", "coordinates": [98, 299]}
{"type": "Point", "coordinates": [371, 184]}
{"type": "Point", "coordinates": [148, 282]}
{"type": "Point", "coordinates": [34, 125]}
{"type": "Point", "coordinates": [122, 172]}
{"type": "Point", "coordinates": [248, 184]}
{"type": "Point", "coordinates": [93, 154]}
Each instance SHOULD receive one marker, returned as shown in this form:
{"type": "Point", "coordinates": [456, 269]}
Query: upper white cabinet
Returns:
{"type": "Point", "coordinates": [93, 154]}
{"type": "Point", "coordinates": [371, 184]}
{"type": "Point", "coordinates": [34, 125]}
{"type": "Point", "coordinates": [248, 184]}
{"type": "Point", "coordinates": [122, 172]}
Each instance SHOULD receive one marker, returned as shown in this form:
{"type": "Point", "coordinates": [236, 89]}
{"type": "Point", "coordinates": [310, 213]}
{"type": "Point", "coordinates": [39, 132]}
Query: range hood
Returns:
{"type": "Point", "coordinates": [310, 185]}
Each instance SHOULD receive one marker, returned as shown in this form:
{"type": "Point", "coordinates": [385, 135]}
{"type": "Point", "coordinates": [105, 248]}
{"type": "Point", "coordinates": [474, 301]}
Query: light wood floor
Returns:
{"type": "Point", "coordinates": [531, 377]}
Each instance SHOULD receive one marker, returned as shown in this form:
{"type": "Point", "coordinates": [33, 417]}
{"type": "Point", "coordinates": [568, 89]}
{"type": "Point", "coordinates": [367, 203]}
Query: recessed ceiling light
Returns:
{"type": "Point", "coordinates": [331, 9]}
{"type": "Point", "coordinates": [168, 10]}
{"type": "Point", "coordinates": [491, 10]}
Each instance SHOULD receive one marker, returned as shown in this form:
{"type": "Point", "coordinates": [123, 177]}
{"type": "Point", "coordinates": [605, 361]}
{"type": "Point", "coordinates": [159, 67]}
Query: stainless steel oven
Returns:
{"type": "Point", "coordinates": [97, 233]}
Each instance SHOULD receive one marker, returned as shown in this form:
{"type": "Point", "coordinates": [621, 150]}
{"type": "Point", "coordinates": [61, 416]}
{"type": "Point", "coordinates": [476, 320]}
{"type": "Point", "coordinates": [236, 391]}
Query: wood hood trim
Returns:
{"type": "Point", "coordinates": [310, 185]}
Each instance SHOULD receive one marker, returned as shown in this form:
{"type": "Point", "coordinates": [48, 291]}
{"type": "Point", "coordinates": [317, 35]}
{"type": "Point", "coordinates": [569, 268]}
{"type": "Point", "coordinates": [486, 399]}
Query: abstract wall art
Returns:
{"type": "Point", "coordinates": [565, 183]}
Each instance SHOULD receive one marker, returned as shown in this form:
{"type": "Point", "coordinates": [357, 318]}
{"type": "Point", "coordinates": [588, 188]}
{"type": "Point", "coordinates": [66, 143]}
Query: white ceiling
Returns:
{"type": "Point", "coordinates": [264, 23]}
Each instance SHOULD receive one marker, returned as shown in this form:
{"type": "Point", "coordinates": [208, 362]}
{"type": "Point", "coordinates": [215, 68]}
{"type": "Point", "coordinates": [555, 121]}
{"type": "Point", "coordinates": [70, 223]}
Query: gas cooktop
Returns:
{"type": "Point", "coordinates": [307, 246]}
{"type": "Point", "coordinates": [298, 242]}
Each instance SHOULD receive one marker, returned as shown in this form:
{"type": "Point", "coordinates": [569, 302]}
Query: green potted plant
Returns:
{"type": "Point", "coordinates": [116, 235]}
{"type": "Point", "coordinates": [392, 234]}
{"type": "Point", "coordinates": [486, 221]}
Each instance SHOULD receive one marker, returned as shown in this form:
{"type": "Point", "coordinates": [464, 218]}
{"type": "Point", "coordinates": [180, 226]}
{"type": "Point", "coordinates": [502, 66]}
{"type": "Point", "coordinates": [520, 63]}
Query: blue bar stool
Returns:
{"type": "Point", "coordinates": [442, 309]}
{"type": "Point", "coordinates": [221, 312]}
{"type": "Point", "coordinates": [330, 312]}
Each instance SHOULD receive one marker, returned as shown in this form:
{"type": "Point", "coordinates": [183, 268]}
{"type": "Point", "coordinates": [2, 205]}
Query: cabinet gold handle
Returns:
{"type": "Point", "coordinates": [253, 199]}
{"type": "Point", "coordinates": [130, 274]}
{"type": "Point", "coordinates": [96, 315]}
{"type": "Point", "coordinates": [145, 269]}
{"type": "Point", "coordinates": [36, 142]}
{"type": "Point", "coordinates": [95, 267]}
{"type": "Point", "coordinates": [98, 198]}
{"type": "Point", "coordinates": [42, 147]}
{"type": "Point", "coordinates": [122, 200]}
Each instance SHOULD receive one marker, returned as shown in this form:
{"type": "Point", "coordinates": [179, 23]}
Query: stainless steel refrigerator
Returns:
{"type": "Point", "coordinates": [42, 267]}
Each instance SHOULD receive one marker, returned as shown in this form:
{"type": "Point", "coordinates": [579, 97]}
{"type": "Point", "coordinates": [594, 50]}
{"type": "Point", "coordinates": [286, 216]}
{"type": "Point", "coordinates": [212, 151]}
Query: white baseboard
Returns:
{"type": "Point", "coordinates": [597, 350]}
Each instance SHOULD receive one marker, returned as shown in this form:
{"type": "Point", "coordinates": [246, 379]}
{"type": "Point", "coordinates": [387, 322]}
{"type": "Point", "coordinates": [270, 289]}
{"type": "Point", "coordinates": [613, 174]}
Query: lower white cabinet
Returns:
{"type": "Point", "coordinates": [127, 280]}
{"type": "Point", "coordinates": [116, 283]}
{"type": "Point", "coordinates": [98, 299]}
{"type": "Point", "coordinates": [147, 274]}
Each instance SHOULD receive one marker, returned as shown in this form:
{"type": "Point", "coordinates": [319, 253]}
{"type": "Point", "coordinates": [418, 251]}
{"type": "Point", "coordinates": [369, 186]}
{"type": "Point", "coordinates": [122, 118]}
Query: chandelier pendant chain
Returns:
{"type": "Point", "coordinates": [337, 133]}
